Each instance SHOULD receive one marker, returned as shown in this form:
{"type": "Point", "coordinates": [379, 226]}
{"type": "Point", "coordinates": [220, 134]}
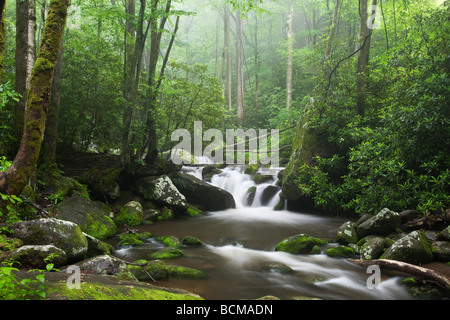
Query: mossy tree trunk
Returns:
{"type": "Point", "coordinates": [16, 177]}
{"type": "Point", "coordinates": [25, 57]}
{"type": "Point", "coordinates": [2, 34]}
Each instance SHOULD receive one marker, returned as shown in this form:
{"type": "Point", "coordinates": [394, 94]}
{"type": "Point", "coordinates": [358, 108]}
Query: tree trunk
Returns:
{"type": "Point", "coordinates": [51, 131]}
{"type": "Point", "coordinates": [239, 72]}
{"type": "Point", "coordinates": [13, 180]}
{"type": "Point", "coordinates": [2, 35]}
{"type": "Point", "coordinates": [25, 57]}
{"type": "Point", "coordinates": [420, 272]}
{"type": "Point", "coordinates": [290, 56]}
{"type": "Point", "coordinates": [227, 43]}
{"type": "Point", "coordinates": [332, 32]}
{"type": "Point", "coordinates": [363, 59]}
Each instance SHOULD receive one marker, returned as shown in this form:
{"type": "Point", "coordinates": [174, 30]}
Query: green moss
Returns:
{"type": "Point", "coordinates": [193, 212]}
{"type": "Point", "coordinates": [167, 253]}
{"type": "Point", "coordinates": [191, 241]}
{"type": "Point", "coordinates": [170, 241]}
{"type": "Point", "coordinates": [184, 272]}
{"type": "Point", "coordinates": [340, 252]}
{"type": "Point", "coordinates": [96, 291]}
{"type": "Point", "coordinates": [299, 244]}
{"type": "Point", "coordinates": [166, 214]}
{"type": "Point", "coordinates": [100, 229]}
{"type": "Point", "coordinates": [130, 214]}
{"type": "Point", "coordinates": [157, 269]}
{"type": "Point", "coordinates": [251, 169]}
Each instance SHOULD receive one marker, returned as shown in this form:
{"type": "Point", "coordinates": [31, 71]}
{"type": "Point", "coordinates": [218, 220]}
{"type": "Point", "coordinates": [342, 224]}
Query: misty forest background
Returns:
{"type": "Point", "coordinates": [131, 72]}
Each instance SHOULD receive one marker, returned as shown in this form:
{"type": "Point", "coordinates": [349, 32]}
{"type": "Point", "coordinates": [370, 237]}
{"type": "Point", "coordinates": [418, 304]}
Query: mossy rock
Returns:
{"type": "Point", "coordinates": [210, 170]}
{"type": "Point", "coordinates": [347, 233]}
{"type": "Point", "coordinates": [340, 252]}
{"type": "Point", "coordinates": [413, 248]}
{"type": "Point", "coordinates": [131, 214]}
{"type": "Point", "coordinates": [133, 239]}
{"type": "Point", "coordinates": [38, 256]}
{"type": "Point", "coordinates": [156, 269]}
{"type": "Point", "coordinates": [259, 178]}
{"type": "Point", "coordinates": [251, 169]}
{"type": "Point", "coordinates": [166, 214]}
{"type": "Point", "coordinates": [185, 272]}
{"type": "Point", "coordinates": [167, 253]}
{"type": "Point", "coordinates": [92, 216]}
{"type": "Point", "coordinates": [191, 241]}
{"type": "Point", "coordinates": [170, 241]}
{"type": "Point", "coordinates": [101, 287]}
{"type": "Point", "coordinates": [299, 244]}
{"type": "Point", "coordinates": [192, 211]}
{"type": "Point", "coordinates": [67, 187]}
{"type": "Point", "coordinates": [97, 247]}
{"type": "Point", "coordinates": [276, 267]}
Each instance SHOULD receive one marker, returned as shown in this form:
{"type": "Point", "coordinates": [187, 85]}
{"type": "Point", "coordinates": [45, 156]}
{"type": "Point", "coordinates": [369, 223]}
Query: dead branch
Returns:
{"type": "Point", "coordinates": [420, 272]}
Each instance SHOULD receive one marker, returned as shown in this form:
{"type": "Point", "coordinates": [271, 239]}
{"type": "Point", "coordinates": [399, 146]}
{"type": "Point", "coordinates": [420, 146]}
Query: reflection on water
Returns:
{"type": "Point", "coordinates": [240, 242]}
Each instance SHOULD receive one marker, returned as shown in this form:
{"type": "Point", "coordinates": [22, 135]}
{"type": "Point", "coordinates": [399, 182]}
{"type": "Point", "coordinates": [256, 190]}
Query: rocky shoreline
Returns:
{"type": "Point", "coordinates": [75, 237]}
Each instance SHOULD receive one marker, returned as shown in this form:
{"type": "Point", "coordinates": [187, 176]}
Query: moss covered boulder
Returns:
{"type": "Point", "coordinates": [106, 265]}
{"type": "Point", "coordinates": [131, 214]}
{"type": "Point", "coordinates": [92, 216]}
{"type": "Point", "coordinates": [413, 248]}
{"type": "Point", "coordinates": [384, 223]}
{"type": "Point", "coordinates": [167, 253]}
{"type": "Point", "coordinates": [299, 244]}
{"type": "Point", "coordinates": [346, 233]}
{"type": "Point", "coordinates": [185, 272]}
{"type": "Point", "coordinates": [191, 241]}
{"type": "Point", "coordinates": [209, 171]}
{"type": "Point", "coordinates": [133, 239]}
{"type": "Point", "coordinates": [38, 256]}
{"type": "Point", "coordinates": [372, 247]}
{"type": "Point", "coordinates": [163, 191]}
{"type": "Point", "coordinates": [63, 234]}
{"type": "Point", "coordinates": [340, 252]}
{"type": "Point", "coordinates": [97, 247]}
{"type": "Point", "coordinates": [141, 269]}
{"type": "Point", "coordinates": [170, 241]}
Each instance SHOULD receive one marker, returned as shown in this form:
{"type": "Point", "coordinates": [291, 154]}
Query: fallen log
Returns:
{"type": "Point", "coordinates": [420, 272]}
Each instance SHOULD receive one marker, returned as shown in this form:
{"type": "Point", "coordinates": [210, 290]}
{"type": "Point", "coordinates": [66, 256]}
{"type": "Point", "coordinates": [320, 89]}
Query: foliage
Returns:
{"type": "Point", "coordinates": [11, 288]}
{"type": "Point", "coordinates": [7, 95]}
{"type": "Point", "coordinates": [397, 157]}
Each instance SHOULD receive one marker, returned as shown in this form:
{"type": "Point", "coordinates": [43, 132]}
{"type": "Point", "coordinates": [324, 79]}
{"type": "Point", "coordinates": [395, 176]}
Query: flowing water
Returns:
{"type": "Point", "coordinates": [240, 242]}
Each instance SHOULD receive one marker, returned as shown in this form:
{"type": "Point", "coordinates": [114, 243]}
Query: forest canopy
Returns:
{"type": "Point", "coordinates": [372, 77]}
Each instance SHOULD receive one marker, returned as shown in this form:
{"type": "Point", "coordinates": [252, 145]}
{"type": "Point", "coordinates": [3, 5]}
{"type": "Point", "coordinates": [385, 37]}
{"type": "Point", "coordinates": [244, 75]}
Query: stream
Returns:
{"type": "Point", "coordinates": [239, 242]}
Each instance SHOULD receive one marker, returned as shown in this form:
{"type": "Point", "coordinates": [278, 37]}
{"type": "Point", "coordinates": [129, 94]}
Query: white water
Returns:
{"type": "Point", "coordinates": [238, 242]}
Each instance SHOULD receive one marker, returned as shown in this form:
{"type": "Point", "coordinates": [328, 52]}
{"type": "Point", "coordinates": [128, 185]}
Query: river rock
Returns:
{"type": "Point", "coordinates": [441, 250]}
{"type": "Point", "coordinates": [372, 248]}
{"type": "Point", "coordinates": [62, 234]}
{"type": "Point", "coordinates": [385, 222]}
{"type": "Point", "coordinates": [413, 248]}
{"type": "Point", "coordinates": [167, 253]}
{"type": "Point", "coordinates": [162, 190]}
{"type": "Point", "coordinates": [340, 252]}
{"type": "Point", "coordinates": [299, 244]}
{"type": "Point", "coordinates": [445, 234]}
{"type": "Point", "coordinates": [38, 256]}
{"type": "Point", "coordinates": [202, 194]}
{"type": "Point", "coordinates": [259, 178]}
{"type": "Point", "coordinates": [92, 216]}
{"type": "Point", "coordinates": [106, 265]}
{"type": "Point", "coordinates": [141, 269]}
{"type": "Point", "coordinates": [97, 247]}
{"type": "Point", "coordinates": [210, 170]}
{"type": "Point", "coordinates": [346, 233]}
{"type": "Point", "coordinates": [250, 196]}
{"type": "Point", "coordinates": [276, 267]}
{"type": "Point", "coordinates": [268, 193]}
{"type": "Point", "coordinates": [131, 215]}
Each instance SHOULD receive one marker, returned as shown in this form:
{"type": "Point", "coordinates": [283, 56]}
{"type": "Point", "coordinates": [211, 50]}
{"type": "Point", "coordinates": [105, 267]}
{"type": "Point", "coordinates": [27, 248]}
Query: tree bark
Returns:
{"type": "Point", "coordinates": [25, 57]}
{"type": "Point", "coordinates": [363, 59]}
{"type": "Point", "coordinates": [421, 272]}
{"type": "Point", "coordinates": [13, 180]}
{"type": "Point", "coordinates": [239, 72]}
{"type": "Point", "coordinates": [227, 43]}
{"type": "Point", "coordinates": [2, 35]}
{"type": "Point", "coordinates": [51, 131]}
{"type": "Point", "coordinates": [290, 56]}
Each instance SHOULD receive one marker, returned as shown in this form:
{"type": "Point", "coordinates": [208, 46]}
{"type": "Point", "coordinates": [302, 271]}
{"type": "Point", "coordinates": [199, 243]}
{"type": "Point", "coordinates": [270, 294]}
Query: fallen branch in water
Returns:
{"type": "Point", "coordinates": [421, 272]}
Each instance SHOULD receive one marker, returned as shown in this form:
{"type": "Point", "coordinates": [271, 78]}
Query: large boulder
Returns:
{"type": "Point", "coordinates": [38, 256]}
{"type": "Point", "coordinates": [413, 248]}
{"type": "Point", "coordinates": [162, 190]}
{"type": "Point", "coordinates": [62, 234]}
{"type": "Point", "coordinates": [384, 223]}
{"type": "Point", "coordinates": [372, 248]}
{"type": "Point", "coordinates": [91, 216]}
{"type": "Point", "coordinates": [131, 214]}
{"type": "Point", "coordinates": [441, 250]}
{"type": "Point", "coordinates": [201, 194]}
{"type": "Point", "coordinates": [299, 244]}
{"type": "Point", "coordinates": [347, 233]}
